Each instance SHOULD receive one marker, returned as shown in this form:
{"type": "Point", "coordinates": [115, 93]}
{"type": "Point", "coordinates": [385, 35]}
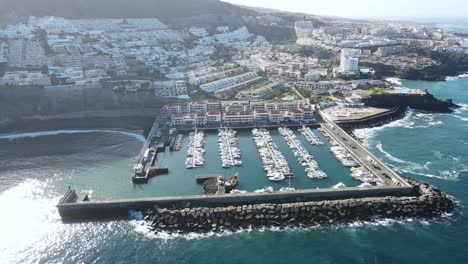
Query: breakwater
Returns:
{"type": "Point", "coordinates": [372, 121]}
{"type": "Point", "coordinates": [428, 202]}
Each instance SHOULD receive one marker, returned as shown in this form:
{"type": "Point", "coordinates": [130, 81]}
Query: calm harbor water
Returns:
{"type": "Point", "coordinates": [36, 168]}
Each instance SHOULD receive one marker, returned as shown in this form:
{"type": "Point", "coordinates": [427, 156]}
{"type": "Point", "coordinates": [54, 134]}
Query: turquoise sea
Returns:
{"type": "Point", "coordinates": [36, 168]}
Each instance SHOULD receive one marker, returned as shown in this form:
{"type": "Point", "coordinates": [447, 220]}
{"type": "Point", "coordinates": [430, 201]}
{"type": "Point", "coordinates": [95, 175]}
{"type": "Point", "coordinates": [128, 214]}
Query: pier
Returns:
{"type": "Point", "coordinates": [302, 155]}
{"type": "Point", "coordinates": [228, 149]}
{"type": "Point", "coordinates": [361, 154]}
{"type": "Point", "coordinates": [273, 160]}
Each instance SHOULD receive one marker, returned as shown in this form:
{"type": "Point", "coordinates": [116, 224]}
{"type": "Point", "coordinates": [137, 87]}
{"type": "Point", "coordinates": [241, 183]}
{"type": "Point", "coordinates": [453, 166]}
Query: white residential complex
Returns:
{"type": "Point", "coordinates": [170, 88]}
{"type": "Point", "coordinates": [227, 82]}
{"type": "Point", "coordinates": [24, 78]}
{"type": "Point", "coordinates": [348, 63]}
{"type": "Point", "coordinates": [238, 113]}
{"type": "Point", "coordinates": [25, 53]}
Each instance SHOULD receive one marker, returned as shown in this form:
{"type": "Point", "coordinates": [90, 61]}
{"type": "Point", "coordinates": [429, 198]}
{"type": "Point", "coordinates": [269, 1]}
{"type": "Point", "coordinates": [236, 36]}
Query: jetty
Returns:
{"type": "Point", "coordinates": [366, 159]}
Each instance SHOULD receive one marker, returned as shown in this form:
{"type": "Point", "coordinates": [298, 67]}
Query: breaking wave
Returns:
{"type": "Point", "coordinates": [61, 132]}
{"type": "Point", "coordinates": [409, 167]}
{"type": "Point", "coordinates": [453, 78]}
{"type": "Point", "coordinates": [411, 120]}
{"type": "Point", "coordinates": [143, 229]}
{"type": "Point", "coordinates": [394, 80]}
{"type": "Point", "coordinates": [465, 119]}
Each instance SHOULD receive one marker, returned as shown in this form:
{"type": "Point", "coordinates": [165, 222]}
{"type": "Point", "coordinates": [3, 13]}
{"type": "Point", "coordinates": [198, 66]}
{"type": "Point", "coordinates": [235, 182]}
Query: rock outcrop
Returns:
{"type": "Point", "coordinates": [423, 102]}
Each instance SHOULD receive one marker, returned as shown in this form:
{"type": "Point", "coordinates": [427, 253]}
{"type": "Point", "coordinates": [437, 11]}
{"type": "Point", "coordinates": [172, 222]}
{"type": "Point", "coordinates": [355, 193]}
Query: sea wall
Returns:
{"type": "Point", "coordinates": [430, 202]}
{"type": "Point", "coordinates": [372, 121]}
{"type": "Point", "coordinates": [95, 210]}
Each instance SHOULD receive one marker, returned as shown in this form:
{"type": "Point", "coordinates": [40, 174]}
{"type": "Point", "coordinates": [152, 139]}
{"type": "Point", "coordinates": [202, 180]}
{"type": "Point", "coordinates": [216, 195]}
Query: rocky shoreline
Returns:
{"type": "Point", "coordinates": [429, 203]}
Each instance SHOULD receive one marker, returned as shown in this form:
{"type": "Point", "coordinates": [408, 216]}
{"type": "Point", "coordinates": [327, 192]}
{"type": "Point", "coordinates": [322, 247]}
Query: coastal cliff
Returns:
{"type": "Point", "coordinates": [422, 102]}
{"type": "Point", "coordinates": [37, 108]}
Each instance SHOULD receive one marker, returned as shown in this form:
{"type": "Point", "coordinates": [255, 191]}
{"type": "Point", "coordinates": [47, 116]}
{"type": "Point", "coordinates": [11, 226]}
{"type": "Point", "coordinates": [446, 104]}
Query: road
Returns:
{"type": "Point", "coordinates": [362, 155]}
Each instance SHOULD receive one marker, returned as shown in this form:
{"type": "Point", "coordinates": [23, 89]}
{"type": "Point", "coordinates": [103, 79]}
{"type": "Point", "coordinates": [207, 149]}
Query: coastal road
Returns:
{"type": "Point", "coordinates": [361, 154]}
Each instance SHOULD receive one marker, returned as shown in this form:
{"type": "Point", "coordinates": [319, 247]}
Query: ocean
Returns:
{"type": "Point", "coordinates": [36, 168]}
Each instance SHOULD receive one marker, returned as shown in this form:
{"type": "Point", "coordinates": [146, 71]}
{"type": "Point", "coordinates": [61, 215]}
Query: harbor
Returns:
{"type": "Point", "coordinates": [207, 169]}
{"type": "Point", "coordinates": [252, 176]}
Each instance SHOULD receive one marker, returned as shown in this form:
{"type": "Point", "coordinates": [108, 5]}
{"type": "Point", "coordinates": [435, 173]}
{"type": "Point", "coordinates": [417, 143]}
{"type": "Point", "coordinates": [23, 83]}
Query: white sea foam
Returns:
{"type": "Point", "coordinates": [388, 155]}
{"type": "Point", "coordinates": [142, 228]}
{"type": "Point", "coordinates": [396, 81]}
{"type": "Point", "coordinates": [366, 135]}
{"type": "Point", "coordinates": [453, 78]}
{"type": "Point", "coordinates": [450, 175]}
{"type": "Point", "coordinates": [61, 132]}
{"type": "Point", "coordinates": [465, 119]}
{"type": "Point", "coordinates": [463, 106]}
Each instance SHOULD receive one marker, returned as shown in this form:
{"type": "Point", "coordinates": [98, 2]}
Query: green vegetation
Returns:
{"type": "Point", "coordinates": [329, 98]}
{"type": "Point", "coordinates": [321, 54]}
{"type": "Point", "coordinates": [3, 67]}
{"type": "Point", "coordinates": [41, 34]}
{"type": "Point", "coordinates": [89, 39]}
{"type": "Point", "coordinates": [260, 85]}
{"type": "Point", "coordinates": [278, 94]}
{"type": "Point", "coordinates": [376, 90]}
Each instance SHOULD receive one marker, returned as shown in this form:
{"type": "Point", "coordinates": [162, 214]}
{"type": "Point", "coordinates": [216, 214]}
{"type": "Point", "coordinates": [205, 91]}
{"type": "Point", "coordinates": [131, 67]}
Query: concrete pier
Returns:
{"type": "Point", "coordinates": [362, 155]}
{"type": "Point", "coordinates": [98, 210]}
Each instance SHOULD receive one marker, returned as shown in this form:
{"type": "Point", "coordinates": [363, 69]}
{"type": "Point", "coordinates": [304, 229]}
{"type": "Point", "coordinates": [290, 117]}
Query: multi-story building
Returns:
{"type": "Point", "coordinates": [348, 63]}
{"type": "Point", "coordinates": [231, 113]}
{"type": "Point", "coordinates": [238, 118]}
{"type": "Point", "coordinates": [24, 78]}
{"type": "Point", "coordinates": [25, 53]}
{"type": "Point", "coordinates": [170, 88]}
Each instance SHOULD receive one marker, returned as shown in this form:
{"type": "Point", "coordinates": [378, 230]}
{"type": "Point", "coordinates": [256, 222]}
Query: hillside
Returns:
{"type": "Point", "coordinates": [162, 9]}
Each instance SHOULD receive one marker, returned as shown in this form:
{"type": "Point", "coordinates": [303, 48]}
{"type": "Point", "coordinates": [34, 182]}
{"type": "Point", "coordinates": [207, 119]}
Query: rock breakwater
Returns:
{"type": "Point", "coordinates": [429, 203]}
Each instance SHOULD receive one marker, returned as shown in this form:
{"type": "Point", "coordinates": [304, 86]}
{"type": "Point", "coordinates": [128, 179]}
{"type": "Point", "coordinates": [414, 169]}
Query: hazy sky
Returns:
{"type": "Point", "coordinates": [368, 8]}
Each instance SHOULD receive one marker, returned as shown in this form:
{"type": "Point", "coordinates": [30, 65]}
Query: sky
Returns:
{"type": "Point", "coordinates": [385, 9]}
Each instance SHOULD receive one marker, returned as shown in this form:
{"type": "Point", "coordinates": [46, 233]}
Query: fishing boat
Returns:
{"type": "Point", "coordinates": [232, 182]}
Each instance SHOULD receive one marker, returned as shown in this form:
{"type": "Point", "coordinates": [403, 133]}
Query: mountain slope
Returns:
{"type": "Point", "coordinates": [163, 9]}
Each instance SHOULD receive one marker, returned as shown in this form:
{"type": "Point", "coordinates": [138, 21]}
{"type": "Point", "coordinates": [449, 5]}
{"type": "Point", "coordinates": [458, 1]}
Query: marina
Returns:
{"type": "Point", "coordinates": [228, 148]}
{"type": "Point", "coordinates": [310, 136]}
{"type": "Point", "coordinates": [196, 150]}
{"type": "Point", "coordinates": [307, 161]}
{"type": "Point", "coordinates": [340, 152]}
{"type": "Point", "coordinates": [274, 163]}
{"type": "Point", "coordinates": [252, 175]}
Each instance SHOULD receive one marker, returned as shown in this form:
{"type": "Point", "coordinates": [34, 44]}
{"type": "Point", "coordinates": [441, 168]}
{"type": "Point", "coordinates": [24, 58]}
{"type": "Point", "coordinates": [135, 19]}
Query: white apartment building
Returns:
{"type": "Point", "coordinates": [24, 78]}
{"type": "Point", "coordinates": [348, 62]}
{"type": "Point", "coordinates": [312, 76]}
{"type": "Point", "coordinates": [226, 82]}
{"type": "Point", "coordinates": [25, 53]}
{"type": "Point", "coordinates": [170, 88]}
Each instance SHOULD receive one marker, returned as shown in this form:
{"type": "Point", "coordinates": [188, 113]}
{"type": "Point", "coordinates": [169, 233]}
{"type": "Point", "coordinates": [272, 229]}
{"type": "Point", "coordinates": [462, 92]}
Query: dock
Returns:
{"type": "Point", "coordinates": [361, 154]}
{"type": "Point", "coordinates": [147, 158]}
{"type": "Point", "coordinates": [302, 155]}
